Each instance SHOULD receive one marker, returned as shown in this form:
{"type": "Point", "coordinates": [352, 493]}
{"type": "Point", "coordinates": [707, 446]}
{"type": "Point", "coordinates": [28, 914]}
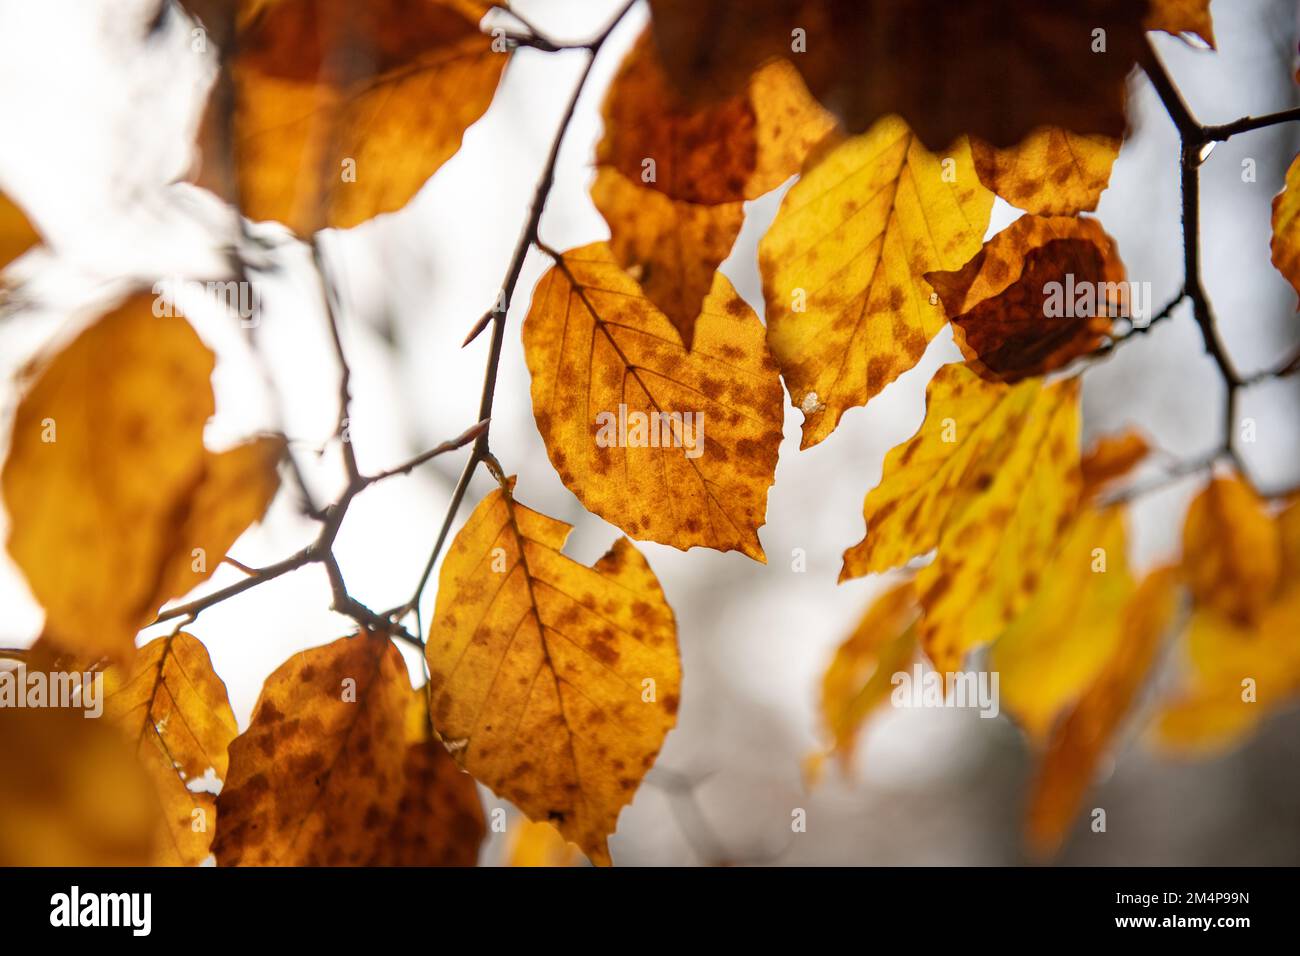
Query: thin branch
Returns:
{"type": "Point", "coordinates": [1217, 134]}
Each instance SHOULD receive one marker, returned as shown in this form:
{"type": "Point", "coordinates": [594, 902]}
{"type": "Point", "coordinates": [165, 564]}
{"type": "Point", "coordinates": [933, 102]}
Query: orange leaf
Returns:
{"type": "Point", "coordinates": [671, 446]}
{"type": "Point", "coordinates": [1285, 244]}
{"type": "Point", "coordinates": [552, 683]}
{"type": "Point", "coordinates": [1232, 550]}
{"type": "Point", "coordinates": [16, 233]}
{"type": "Point", "coordinates": [1182, 17]}
{"type": "Point", "coordinates": [1052, 172]}
{"type": "Point", "coordinates": [1111, 458]}
{"type": "Point", "coordinates": [1038, 295]}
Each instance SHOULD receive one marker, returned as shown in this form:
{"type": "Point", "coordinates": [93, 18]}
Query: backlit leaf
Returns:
{"type": "Point", "coordinates": [1232, 550]}
{"type": "Point", "coordinates": [606, 363]}
{"type": "Point", "coordinates": [540, 844]}
{"type": "Point", "coordinates": [1038, 295]}
{"type": "Point", "coordinates": [1052, 172]}
{"type": "Point", "coordinates": [1182, 16]}
{"type": "Point", "coordinates": [318, 774]}
{"type": "Point", "coordinates": [16, 233]}
{"type": "Point", "coordinates": [1111, 458]}
{"type": "Point", "coordinates": [1285, 245]}
{"type": "Point", "coordinates": [342, 111]}
{"type": "Point", "coordinates": [847, 308]}
{"type": "Point", "coordinates": [991, 481]}
{"type": "Point", "coordinates": [552, 683]}
{"type": "Point", "coordinates": [172, 708]}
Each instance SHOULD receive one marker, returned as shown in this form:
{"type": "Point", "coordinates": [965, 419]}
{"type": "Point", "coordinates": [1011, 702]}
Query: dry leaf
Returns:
{"type": "Point", "coordinates": [16, 233]}
{"type": "Point", "coordinates": [606, 364]}
{"type": "Point", "coordinates": [1069, 630]}
{"type": "Point", "coordinates": [1052, 172]}
{"type": "Point", "coordinates": [1232, 550]}
{"type": "Point", "coordinates": [1285, 244]}
{"type": "Point", "coordinates": [859, 679]}
{"type": "Point", "coordinates": [318, 774]}
{"type": "Point", "coordinates": [995, 69]}
{"type": "Point", "coordinates": [991, 481]}
{"type": "Point", "coordinates": [540, 844]}
{"type": "Point", "coordinates": [172, 708]}
{"type": "Point", "coordinates": [1111, 458]}
{"type": "Point", "coordinates": [552, 683]}
{"type": "Point", "coordinates": [1088, 730]}
{"type": "Point", "coordinates": [1182, 17]}
{"type": "Point", "coordinates": [847, 308]}
{"type": "Point", "coordinates": [1037, 296]}
{"type": "Point", "coordinates": [342, 111]}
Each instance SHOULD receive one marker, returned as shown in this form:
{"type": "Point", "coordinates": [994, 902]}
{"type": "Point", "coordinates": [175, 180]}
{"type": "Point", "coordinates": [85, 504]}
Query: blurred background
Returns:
{"type": "Point", "coordinates": [97, 121]}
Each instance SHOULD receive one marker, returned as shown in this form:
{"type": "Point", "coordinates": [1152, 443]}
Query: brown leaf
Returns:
{"type": "Point", "coordinates": [340, 112]}
{"type": "Point", "coordinates": [317, 776]}
{"type": "Point", "coordinates": [1052, 172]}
{"type": "Point", "coordinates": [1039, 294]}
{"type": "Point", "coordinates": [552, 683]}
{"type": "Point", "coordinates": [1182, 17]}
{"type": "Point", "coordinates": [173, 710]}
{"type": "Point", "coordinates": [606, 364]}
{"type": "Point", "coordinates": [995, 69]}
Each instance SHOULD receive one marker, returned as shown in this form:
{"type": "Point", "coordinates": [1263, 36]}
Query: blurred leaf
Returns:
{"type": "Point", "coordinates": [540, 844]}
{"type": "Point", "coordinates": [1232, 550]}
{"type": "Point", "coordinates": [1285, 244]}
{"type": "Point", "coordinates": [1111, 458]}
{"type": "Point", "coordinates": [16, 233]}
{"type": "Point", "coordinates": [552, 683]}
{"type": "Point", "coordinates": [1182, 16]}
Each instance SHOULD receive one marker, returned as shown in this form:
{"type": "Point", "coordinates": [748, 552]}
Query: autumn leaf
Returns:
{"type": "Point", "coordinates": [1181, 17]}
{"type": "Point", "coordinates": [996, 69]}
{"type": "Point", "coordinates": [339, 111]}
{"type": "Point", "coordinates": [1244, 661]}
{"type": "Point", "coordinates": [318, 774]}
{"type": "Point", "coordinates": [1088, 729]}
{"type": "Point", "coordinates": [607, 366]}
{"type": "Point", "coordinates": [16, 233]}
{"type": "Point", "coordinates": [672, 176]}
{"type": "Point", "coordinates": [439, 819]}
{"type": "Point", "coordinates": [1052, 172]}
{"type": "Point", "coordinates": [991, 482]}
{"type": "Point", "coordinates": [172, 708]}
{"type": "Point", "coordinates": [1111, 458]}
{"type": "Point", "coordinates": [859, 679]}
{"type": "Point", "coordinates": [540, 844]}
{"type": "Point", "coordinates": [122, 409]}
{"type": "Point", "coordinates": [847, 308]}
{"type": "Point", "coordinates": [70, 794]}
{"type": "Point", "coordinates": [1055, 649]}
{"type": "Point", "coordinates": [1285, 244]}
{"type": "Point", "coordinates": [1038, 295]}
{"type": "Point", "coordinates": [552, 683]}
{"type": "Point", "coordinates": [1232, 550]}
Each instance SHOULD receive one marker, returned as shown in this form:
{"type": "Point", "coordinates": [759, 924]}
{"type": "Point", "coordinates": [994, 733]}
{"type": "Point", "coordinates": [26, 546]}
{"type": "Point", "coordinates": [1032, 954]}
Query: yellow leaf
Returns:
{"type": "Point", "coordinates": [107, 450]}
{"type": "Point", "coordinates": [607, 365]}
{"type": "Point", "coordinates": [343, 111]}
{"type": "Point", "coordinates": [320, 770]}
{"type": "Point", "coordinates": [859, 678]}
{"type": "Point", "coordinates": [172, 708]}
{"type": "Point", "coordinates": [1232, 550]}
{"type": "Point", "coordinates": [1069, 629]}
{"type": "Point", "coordinates": [1285, 244]}
{"type": "Point", "coordinates": [1182, 16]}
{"type": "Point", "coordinates": [1038, 295]}
{"type": "Point", "coordinates": [70, 794]}
{"type": "Point", "coordinates": [552, 683]}
{"type": "Point", "coordinates": [16, 233]}
{"type": "Point", "coordinates": [990, 480]}
{"type": "Point", "coordinates": [670, 246]}
{"type": "Point", "coordinates": [540, 844]}
{"type": "Point", "coordinates": [1051, 172]}
{"type": "Point", "coordinates": [236, 488]}
{"type": "Point", "coordinates": [847, 308]}
{"type": "Point", "coordinates": [1087, 732]}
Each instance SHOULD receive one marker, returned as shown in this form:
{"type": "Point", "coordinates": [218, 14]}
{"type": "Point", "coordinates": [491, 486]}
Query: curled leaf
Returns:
{"type": "Point", "coordinates": [552, 683]}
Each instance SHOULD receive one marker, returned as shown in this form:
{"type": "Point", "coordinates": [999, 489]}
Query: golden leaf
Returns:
{"type": "Point", "coordinates": [109, 487]}
{"type": "Point", "coordinates": [995, 69]}
{"type": "Point", "coordinates": [859, 678]}
{"type": "Point", "coordinates": [1087, 731]}
{"type": "Point", "coordinates": [552, 683]}
{"type": "Point", "coordinates": [991, 481]}
{"type": "Point", "coordinates": [16, 233]}
{"type": "Point", "coordinates": [607, 366]}
{"type": "Point", "coordinates": [319, 771]}
{"type": "Point", "coordinates": [1054, 650]}
{"type": "Point", "coordinates": [1232, 550]}
{"type": "Point", "coordinates": [1039, 294]}
{"type": "Point", "coordinates": [847, 308]}
{"type": "Point", "coordinates": [540, 844]}
{"type": "Point", "coordinates": [1111, 458]}
{"type": "Point", "coordinates": [70, 794]}
{"type": "Point", "coordinates": [172, 708]}
{"type": "Point", "coordinates": [342, 111]}
{"type": "Point", "coordinates": [1052, 172]}
{"type": "Point", "coordinates": [1285, 244]}
{"type": "Point", "coordinates": [1181, 17]}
